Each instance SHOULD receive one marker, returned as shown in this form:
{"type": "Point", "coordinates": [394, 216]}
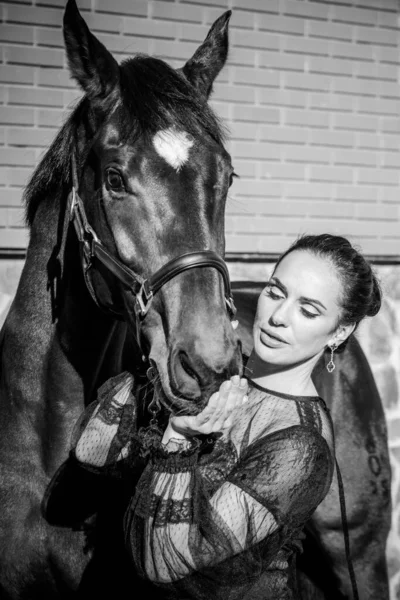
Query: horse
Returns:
{"type": "Point", "coordinates": [361, 447]}
{"type": "Point", "coordinates": [124, 270]}
{"type": "Point", "coordinates": [126, 216]}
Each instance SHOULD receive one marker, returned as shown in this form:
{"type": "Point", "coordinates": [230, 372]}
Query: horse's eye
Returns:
{"type": "Point", "coordinates": [114, 180]}
{"type": "Point", "coordinates": [231, 178]}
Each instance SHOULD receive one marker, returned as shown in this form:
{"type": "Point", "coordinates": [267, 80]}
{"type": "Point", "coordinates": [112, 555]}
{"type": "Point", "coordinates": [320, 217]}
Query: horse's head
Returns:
{"type": "Point", "coordinates": [153, 178]}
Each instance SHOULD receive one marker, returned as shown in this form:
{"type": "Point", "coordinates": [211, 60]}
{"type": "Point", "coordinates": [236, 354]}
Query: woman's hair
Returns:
{"type": "Point", "coordinates": [361, 295]}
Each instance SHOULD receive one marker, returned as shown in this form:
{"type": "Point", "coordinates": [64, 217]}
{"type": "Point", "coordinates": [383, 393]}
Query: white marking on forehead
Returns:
{"type": "Point", "coordinates": [173, 146]}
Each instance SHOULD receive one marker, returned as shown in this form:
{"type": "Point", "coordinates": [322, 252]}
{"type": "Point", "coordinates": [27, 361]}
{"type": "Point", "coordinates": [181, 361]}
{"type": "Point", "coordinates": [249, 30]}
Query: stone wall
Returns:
{"type": "Point", "coordinates": [380, 339]}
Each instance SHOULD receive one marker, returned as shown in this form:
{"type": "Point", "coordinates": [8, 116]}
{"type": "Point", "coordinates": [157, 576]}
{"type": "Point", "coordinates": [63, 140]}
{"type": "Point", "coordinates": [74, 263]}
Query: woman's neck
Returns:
{"type": "Point", "coordinates": [293, 379]}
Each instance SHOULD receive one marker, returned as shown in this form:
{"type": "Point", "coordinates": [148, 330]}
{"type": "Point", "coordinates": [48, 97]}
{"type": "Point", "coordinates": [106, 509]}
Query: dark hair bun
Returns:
{"type": "Point", "coordinates": [376, 298]}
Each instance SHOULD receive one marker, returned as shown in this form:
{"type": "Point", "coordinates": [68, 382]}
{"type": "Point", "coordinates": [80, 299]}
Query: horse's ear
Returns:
{"type": "Point", "coordinates": [90, 63]}
{"type": "Point", "coordinates": [210, 57]}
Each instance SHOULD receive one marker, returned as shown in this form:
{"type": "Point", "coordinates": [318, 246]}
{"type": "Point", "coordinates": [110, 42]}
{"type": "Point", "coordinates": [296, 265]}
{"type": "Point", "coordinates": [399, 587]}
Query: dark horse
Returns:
{"type": "Point", "coordinates": [144, 156]}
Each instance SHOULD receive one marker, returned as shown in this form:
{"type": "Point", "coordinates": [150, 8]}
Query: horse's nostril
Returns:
{"type": "Point", "coordinates": [184, 359]}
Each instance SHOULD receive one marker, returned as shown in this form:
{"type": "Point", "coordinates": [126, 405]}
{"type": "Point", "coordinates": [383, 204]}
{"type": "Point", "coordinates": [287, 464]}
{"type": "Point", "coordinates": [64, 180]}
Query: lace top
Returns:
{"type": "Point", "coordinates": [224, 520]}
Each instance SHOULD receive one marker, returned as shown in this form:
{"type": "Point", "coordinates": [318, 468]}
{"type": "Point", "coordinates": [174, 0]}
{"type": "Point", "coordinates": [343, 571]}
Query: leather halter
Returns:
{"type": "Point", "coordinates": [143, 289]}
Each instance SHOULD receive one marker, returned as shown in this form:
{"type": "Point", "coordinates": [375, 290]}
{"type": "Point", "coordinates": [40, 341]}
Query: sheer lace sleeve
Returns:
{"type": "Point", "coordinates": [178, 526]}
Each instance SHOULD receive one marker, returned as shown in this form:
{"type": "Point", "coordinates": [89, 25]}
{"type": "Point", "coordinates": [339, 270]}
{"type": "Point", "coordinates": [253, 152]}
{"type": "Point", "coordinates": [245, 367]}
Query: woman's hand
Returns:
{"type": "Point", "coordinates": [215, 417]}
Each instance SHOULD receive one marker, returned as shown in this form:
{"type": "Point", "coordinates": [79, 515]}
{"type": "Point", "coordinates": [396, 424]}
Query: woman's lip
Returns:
{"type": "Point", "coordinates": [274, 336]}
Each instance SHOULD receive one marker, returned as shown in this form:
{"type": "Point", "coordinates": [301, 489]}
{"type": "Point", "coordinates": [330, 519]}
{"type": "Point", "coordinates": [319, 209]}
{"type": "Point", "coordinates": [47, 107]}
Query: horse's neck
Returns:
{"type": "Point", "coordinates": [50, 369]}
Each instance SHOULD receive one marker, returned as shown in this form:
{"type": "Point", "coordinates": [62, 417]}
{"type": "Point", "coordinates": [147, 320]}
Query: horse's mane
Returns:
{"type": "Point", "coordinates": [154, 95]}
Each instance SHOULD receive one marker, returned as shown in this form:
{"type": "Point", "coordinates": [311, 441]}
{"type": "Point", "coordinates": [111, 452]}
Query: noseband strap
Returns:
{"type": "Point", "coordinates": [142, 289]}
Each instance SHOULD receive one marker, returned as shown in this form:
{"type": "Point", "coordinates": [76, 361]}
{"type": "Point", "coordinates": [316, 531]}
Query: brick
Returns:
{"type": "Point", "coordinates": [385, 247]}
{"type": "Point", "coordinates": [308, 190]}
{"type": "Point", "coordinates": [234, 94]}
{"type": "Point", "coordinates": [390, 125]}
{"type": "Point", "coordinates": [332, 138]}
{"type": "Point", "coordinates": [307, 118]}
{"type": "Point", "coordinates": [346, 85]}
{"type": "Point", "coordinates": [222, 109]}
{"type": "Point", "coordinates": [57, 78]}
{"type": "Point", "coordinates": [351, 50]}
{"type": "Point", "coordinates": [13, 74]}
{"type": "Point", "coordinates": [391, 159]}
{"type": "Point", "coordinates": [275, 60]}
{"type": "Point", "coordinates": [34, 15]}
{"type": "Point", "coordinates": [27, 136]}
{"type": "Point", "coordinates": [346, 14]}
{"type": "Point", "coordinates": [370, 35]}
{"type": "Point", "coordinates": [282, 97]}
{"type": "Point", "coordinates": [123, 7]}
{"type": "Point", "coordinates": [286, 135]}
{"type": "Point", "coordinates": [242, 56]}
{"type": "Point", "coordinates": [248, 188]}
{"type": "Point", "coordinates": [307, 155]}
{"type": "Point", "coordinates": [71, 98]}
{"type": "Point", "coordinates": [243, 19]}
{"type": "Point", "coordinates": [255, 39]}
{"type": "Point", "coordinates": [305, 45]}
{"type": "Point", "coordinates": [386, 19]}
{"type": "Point", "coordinates": [35, 96]}
{"type": "Point", "coordinates": [254, 76]}
{"type": "Point", "coordinates": [306, 81]}
{"type": "Point", "coordinates": [381, 106]}
{"type": "Point", "coordinates": [387, 194]}
{"type": "Point", "coordinates": [14, 176]}
{"type": "Point", "coordinates": [255, 150]}
{"type": "Point", "coordinates": [16, 34]}
{"type": "Point", "coordinates": [161, 29]}
{"type": "Point", "coordinates": [245, 168]}
{"type": "Point", "coordinates": [15, 217]}
{"type": "Point", "coordinates": [280, 24]}
{"type": "Point", "coordinates": [355, 157]}
{"type": "Point", "coordinates": [34, 56]}
{"type": "Point", "coordinates": [49, 37]}
{"type": "Point", "coordinates": [376, 141]}
{"type": "Point", "coordinates": [377, 71]}
{"type": "Point", "coordinates": [223, 3]}
{"type": "Point", "coordinates": [50, 118]}
{"type": "Point", "coordinates": [356, 193]}
{"type": "Point", "coordinates": [17, 157]}
{"type": "Point", "coordinates": [11, 197]}
{"type": "Point", "coordinates": [83, 4]}
{"type": "Point", "coordinates": [383, 212]}
{"type": "Point", "coordinates": [258, 114]}
{"type": "Point", "coordinates": [378, 177]}
{"type": "Point", "coordinates": [14, 238]}
{"type": "Point", "coordinates": [331, 66]}
{"type": "Point", "coordinates": [124, 44]}
{"type": "Point", "coordinates": [184, 31]}
{"type": "Point", "coordinates": [265, 188]}
{"type": "Point", "coordinates": [16, 116]}
{"type": "Point", "coordinates": [331, 102]}
{"type": "Point", "coordinates": [330, 30]}
{"type": "Point", "coordinates": [305, 9]}
{"type": "Point", "coordinates": [334, 174]}
{"type": "Point", "coordinates": [386, 54]}
{"type": "Point", "coordinates": [388, 5]}
{"type": "Point", "coordinates": [167, 49]}
{"type": "Point", "coordinates": [175, 12]}
{"type": "Point", "coordinates": [357, 122]}
{"type": "Point", "coordinates": [387, 89]}
{"type": "Point", "coordinates": [98, 22]}
{"type": "Point", "coordinates": [285, 172]}
{"type": "Point", "coordinates": [272, 6]}
{"type": "Point", "coordinates": [243, 131]}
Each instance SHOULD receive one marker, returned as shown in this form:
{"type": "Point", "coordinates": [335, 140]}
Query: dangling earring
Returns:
{"type": "Point", "coordinates": [331, 365]}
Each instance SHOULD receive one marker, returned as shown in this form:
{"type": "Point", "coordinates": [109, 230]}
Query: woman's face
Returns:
{"type": "Point", "coordinates": [298, 311]}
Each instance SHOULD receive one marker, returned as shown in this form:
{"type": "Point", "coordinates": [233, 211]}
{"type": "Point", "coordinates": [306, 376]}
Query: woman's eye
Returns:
{"type": "Point", "coordinates": [114, 180]}
{"type": "Point", "coordinates": [308, 314]}
{"type": "Point", "coordinates": [274, 293]}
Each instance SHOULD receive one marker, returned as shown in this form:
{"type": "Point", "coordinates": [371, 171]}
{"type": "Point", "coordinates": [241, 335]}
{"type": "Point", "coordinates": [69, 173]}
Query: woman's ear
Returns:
{"type": "Point", "coordinates": [341, 334]}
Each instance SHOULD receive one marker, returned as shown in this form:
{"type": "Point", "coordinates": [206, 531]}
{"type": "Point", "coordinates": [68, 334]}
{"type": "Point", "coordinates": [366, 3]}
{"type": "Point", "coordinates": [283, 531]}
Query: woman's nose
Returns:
{"type": "Point", "coordinates": [280, 316]}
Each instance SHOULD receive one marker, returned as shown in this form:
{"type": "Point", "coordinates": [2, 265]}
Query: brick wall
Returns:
{"type": "Point", "coordinates": [311, 95]}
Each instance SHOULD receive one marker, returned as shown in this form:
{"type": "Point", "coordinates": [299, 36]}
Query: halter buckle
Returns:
{"type": "Point", "coordinates": [144, 298]}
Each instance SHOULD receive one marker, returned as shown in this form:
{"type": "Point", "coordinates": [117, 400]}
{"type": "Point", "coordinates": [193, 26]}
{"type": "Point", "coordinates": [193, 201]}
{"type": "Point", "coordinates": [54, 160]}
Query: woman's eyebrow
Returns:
{"type": "Point", "coordinates": [302, 299]}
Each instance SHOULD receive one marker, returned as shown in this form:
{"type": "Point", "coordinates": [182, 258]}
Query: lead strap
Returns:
{"type": "Point", "coordinates": [346, 532]}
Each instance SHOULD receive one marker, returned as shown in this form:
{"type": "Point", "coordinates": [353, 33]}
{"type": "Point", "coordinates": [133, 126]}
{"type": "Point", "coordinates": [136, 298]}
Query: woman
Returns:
{"type": "Point", "coordinates": [224, 520]}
